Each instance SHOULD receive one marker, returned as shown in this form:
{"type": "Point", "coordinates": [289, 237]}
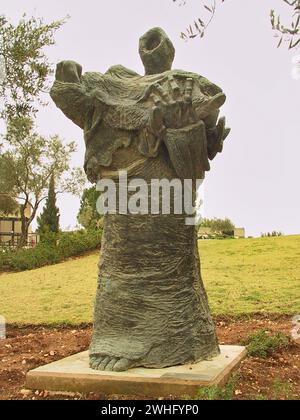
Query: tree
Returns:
{"type": "Point", "coordinates": [88, 215]}
{"type": "Point", "coordinates": [28, 163]}
{"type": "Point", "coordinates": [218, 225]}
{"type": "Point", "coordinates": [29, 160]}
{"type": "Point", "coordinates": [289, 34]}
{"type": "Point", "coordinates": [48, 221]}
{"type": "Point", "coordinates": [7, 204]}
{"type": "Point", "coordinates": [24, 67]}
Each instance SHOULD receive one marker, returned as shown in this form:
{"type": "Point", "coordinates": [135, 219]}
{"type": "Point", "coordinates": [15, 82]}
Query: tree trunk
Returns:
{"type": "Point", "coordinates": [24, 228]}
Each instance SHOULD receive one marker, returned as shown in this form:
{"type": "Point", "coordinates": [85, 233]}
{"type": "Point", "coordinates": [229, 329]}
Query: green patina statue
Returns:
{"type": "Point", "coordinates": [151, 306]}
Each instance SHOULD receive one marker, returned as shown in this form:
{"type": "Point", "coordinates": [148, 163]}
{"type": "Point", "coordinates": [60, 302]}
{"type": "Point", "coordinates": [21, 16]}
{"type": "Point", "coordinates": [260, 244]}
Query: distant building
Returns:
{"type": "Point", "coordinates": [240, 233]}
{"type": "Point", "coordinates": [11, 228]}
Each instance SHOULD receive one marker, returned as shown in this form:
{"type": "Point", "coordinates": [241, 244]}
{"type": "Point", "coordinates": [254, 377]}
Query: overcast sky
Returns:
{"type": "Point", "coordinates": [255, 182]}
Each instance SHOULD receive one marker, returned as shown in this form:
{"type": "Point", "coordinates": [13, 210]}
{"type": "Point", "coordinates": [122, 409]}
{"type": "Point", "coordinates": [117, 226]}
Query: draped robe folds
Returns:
{"type": "Point", "coordinates": [151, 306]}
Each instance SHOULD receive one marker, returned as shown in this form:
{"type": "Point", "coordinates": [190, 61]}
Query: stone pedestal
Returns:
{"type": "Point", "coordinates": [74, 375]}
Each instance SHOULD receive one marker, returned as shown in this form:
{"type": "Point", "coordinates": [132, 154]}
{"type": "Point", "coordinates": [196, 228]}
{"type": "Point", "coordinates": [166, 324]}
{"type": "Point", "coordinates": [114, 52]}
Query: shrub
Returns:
{"type": "Point", "coordinates": [271, 235]}
{"type": "Point", "coordinates": [264, 343]}
{"type": "Point", "coordinates": [31, 258]}
{"type": "Point", "coordinates": [217, 393]}
{"type": "Point", "coordinates": [225, 226]}
{"type": "Point", "coordinates": [282, 390]}
{"type": "Point", "coordinates": [76, 243]}
{"type": "Point", "coordinates": [52, 250]}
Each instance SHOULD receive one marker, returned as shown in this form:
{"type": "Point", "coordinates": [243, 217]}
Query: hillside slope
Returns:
{"type": "Point", "coordinates": [241, 277]}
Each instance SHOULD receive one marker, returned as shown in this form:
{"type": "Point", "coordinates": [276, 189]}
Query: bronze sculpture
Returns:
{"type": "Point", "coordinates": [151, 306]}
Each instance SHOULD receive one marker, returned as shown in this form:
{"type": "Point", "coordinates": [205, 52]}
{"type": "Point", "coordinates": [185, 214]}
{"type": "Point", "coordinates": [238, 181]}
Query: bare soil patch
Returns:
{"type": "Point", "coordinates": [27, 347]}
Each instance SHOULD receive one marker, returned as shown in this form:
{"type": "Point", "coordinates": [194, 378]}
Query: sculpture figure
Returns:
{"type": "Point", "coordinates": [151, 306]}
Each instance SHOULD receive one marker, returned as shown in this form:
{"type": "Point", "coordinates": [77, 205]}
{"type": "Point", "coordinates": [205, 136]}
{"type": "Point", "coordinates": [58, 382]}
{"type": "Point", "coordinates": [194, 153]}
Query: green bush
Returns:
{"type": "Point", "coordinates": [217, 393]}
{"type": "Point", "coordinates": [52, 250]}
{"type": "Point", "coordinates": [78, 243]}
{"type": "Point", "coordinates": [264, 343]}
{"type": "Point", "coordinates": [225, 226]}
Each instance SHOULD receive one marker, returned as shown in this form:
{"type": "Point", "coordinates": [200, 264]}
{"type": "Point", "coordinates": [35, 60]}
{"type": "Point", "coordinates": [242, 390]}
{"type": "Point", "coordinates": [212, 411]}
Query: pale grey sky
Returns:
{"type": "Point", "coordinates": [255, 181]}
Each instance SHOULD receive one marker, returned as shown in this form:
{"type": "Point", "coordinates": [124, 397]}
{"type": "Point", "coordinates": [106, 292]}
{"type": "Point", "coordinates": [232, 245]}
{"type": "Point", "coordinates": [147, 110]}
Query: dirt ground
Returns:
{"type": "Point", "coordinates": [277, 377]}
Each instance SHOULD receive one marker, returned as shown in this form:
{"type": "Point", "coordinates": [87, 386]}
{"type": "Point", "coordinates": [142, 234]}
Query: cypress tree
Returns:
{"type": "Point", "coordinates": [48, 221]}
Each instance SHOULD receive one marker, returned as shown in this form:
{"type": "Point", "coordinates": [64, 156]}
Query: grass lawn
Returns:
{"type": "Point", "coordinates": [241, 277]}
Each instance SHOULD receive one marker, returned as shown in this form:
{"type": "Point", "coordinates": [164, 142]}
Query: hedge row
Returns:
{"type": "Point", "coordinates": [51, 251]}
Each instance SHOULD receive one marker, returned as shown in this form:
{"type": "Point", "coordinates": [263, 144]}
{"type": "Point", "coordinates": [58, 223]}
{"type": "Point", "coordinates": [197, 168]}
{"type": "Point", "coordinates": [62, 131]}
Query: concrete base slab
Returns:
{"type": "Point", "coordinates": [74, 375]}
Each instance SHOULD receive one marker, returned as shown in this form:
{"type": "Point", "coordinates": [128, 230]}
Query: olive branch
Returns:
{"type": "Point", "coordinates": [286, 33]}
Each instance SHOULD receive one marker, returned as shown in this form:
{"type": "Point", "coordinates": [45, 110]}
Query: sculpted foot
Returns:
{"type": "Point", "coordinates": [110, 364]}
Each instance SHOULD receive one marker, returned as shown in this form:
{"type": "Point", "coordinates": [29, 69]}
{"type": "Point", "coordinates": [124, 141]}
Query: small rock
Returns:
{"type": "Point", "coordinates": [62, 394]}
{"type": "Point", "coordinates": [238, 392]}
{"type": "Point", "coordinates": [8, 346]}
{"type": "Point", "coordinates": [52, 353]}
{"type": "Point", "coordinates": [25, 392]}
{"type": "Point", "coordinates": [23, 362]}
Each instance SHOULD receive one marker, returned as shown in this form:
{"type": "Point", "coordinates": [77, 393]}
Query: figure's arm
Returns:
{"type": "Point", "coordinates": [69, 93]}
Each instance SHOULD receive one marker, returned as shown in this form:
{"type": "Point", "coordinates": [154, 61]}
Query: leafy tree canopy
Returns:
{"type": "Point", "coordinates": [218, 225]}
{"type": "Point", "coordinates": [28, 162]}
{"type": "Point", "coordinates": [24, 66]}
{"type": "Point", "coordinates": [88, 215]}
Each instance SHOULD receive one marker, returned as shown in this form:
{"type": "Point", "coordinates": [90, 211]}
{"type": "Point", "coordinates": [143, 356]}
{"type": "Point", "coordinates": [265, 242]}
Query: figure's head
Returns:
{"type": "Point", "coordinates": [157, 51]}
